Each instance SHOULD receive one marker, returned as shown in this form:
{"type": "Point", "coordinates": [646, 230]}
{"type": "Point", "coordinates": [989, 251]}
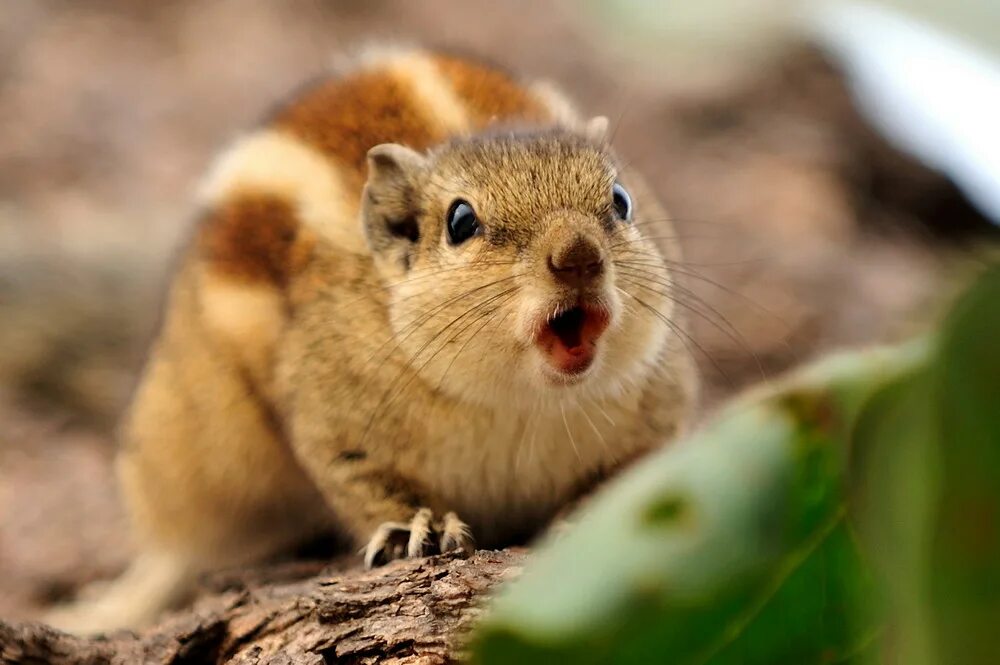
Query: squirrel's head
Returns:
{"type": "Point", "coordinates": [517, 265]}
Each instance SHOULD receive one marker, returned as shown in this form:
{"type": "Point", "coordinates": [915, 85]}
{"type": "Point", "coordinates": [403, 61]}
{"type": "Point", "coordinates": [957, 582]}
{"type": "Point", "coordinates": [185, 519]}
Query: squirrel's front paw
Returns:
{"type": "Point", "coordinates": [421, 537]}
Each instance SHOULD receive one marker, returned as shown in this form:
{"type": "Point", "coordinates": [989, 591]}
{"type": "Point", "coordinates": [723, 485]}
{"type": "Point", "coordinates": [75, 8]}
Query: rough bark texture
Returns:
{"type": "Point", "coordinates": [409, 612]}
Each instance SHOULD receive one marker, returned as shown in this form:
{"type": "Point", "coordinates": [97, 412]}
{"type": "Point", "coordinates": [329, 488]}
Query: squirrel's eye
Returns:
{"type": "Point", "coordinates": [462, 222]}
{"type": "Point", "coordinates": [622, 203]}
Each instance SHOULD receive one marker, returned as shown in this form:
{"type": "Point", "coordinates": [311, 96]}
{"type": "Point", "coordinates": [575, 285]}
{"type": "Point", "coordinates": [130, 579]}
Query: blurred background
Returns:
{"type": "Point", "coordinates": [832, 168]}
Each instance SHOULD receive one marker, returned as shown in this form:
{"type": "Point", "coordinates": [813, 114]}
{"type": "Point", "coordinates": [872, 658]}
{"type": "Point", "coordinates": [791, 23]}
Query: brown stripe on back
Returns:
{"type": "Point", "coordinates": [255, 238]}
{"type": "Point", "coordinates": [490, 94]}
{"type": "Point", "coordinates": [345, 118]}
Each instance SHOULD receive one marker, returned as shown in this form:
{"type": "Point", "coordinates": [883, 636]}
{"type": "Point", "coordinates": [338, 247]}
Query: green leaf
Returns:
{"type": "Point", "coordinates": [964, 570]}
{"type": "Point", "coordinates": [928, 490]}
{"type": "Point", "coordinates": [894, 491]}
{"type": "Point", "coordinates": [731, 547]}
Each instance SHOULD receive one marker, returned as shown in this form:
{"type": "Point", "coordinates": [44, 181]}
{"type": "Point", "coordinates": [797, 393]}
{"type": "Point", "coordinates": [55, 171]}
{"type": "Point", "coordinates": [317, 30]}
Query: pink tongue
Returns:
{"type": "Point", "coordinates": [571, 360]}
{"type": "Point", "coordinates": [570, 339]}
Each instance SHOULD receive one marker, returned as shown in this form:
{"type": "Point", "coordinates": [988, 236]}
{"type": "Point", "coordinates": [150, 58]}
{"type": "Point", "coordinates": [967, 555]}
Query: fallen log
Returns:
{"type": "Point", "coordinates": [408, 612]}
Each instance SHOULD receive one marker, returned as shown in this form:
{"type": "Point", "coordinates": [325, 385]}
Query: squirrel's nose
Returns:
{"type": "Point", "coordinates": [578, 262]}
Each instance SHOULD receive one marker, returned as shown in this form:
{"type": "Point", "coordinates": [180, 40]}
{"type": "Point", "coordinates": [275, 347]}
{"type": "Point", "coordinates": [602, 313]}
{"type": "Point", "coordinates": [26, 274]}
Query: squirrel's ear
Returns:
{"type": "Point", "coordinates": [389, 201]}
{"type": "Point", "coordinates": [597, 129]}
{"type": "Point", "coordinates": [390, 161]}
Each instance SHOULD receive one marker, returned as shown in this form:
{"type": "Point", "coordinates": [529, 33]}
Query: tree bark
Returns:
{"type": "Point", "coordinates": [408, 612]}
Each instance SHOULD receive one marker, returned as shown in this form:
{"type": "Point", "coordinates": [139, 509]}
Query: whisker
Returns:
{"type": "Point", "coordinates": [530, 423]}
{"type": "Point", "coordinates": [673, 288]}
{"type": "Point", "coordinates": [604, 412]}
{"type": "Point", "coordinates": [682, 335]}
{"type": "Point", "coordinates": [726, 328]}
{"type": "Point", "coordinates": [652, 257]}
{"type": "Point", "coordinates": [642, 239]}
{"type": "Point", "coordinates": [673, 285]}
{"type": "Point", "coordinates": [427, 274]}
{"type": "Point", "coordinates": [471, 337]}
{"type": "Point", "coordinates": [391, 394]}
{"type": "Point", "coordinates": [725, 289]}
{"type": "Point", "coordinates": [656, 260]}
{"type": "Point", "coordinates": [412, 328]}
{"type": "Point", "coordinates": [625, 100]}
{"type": "Point", "coordinates": [664, 281]}
{"type": "Point", "coordinates": [572, 441]}
{"type": "Point", "coordinates": [657, 220]}
{"type": "Point", "coordinates": [604, 443]}
{"type": "Point", "coordinates": [691, 220]}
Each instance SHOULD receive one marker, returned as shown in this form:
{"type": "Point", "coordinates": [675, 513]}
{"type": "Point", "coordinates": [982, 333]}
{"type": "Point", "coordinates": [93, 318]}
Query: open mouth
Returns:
{"type": "Point", "coordinates": [569, 338]}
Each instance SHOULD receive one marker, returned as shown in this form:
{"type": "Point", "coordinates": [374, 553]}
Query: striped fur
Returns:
{"type": "Point", "coordinates": [251, 429]}
{"type": "Point", "coordinates": [306, 167]}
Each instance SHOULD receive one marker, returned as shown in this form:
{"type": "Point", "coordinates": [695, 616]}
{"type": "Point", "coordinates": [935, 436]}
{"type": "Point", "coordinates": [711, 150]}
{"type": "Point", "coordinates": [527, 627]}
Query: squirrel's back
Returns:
{"type": "Point", "coordinates": [296, 180]}
{"type": "Point", "coordinates": [306, 165]}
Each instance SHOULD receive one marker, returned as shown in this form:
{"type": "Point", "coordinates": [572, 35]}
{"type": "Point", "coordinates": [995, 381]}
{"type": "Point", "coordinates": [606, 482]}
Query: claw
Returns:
{"type": "Point", "coordinates": [457, 536]}
{"type": "Point", "coordinates": [418, 538]}
{"type": "Point", "coordinates": [420, 543]}
{"type": "Point", "coordinates": [386, 543]}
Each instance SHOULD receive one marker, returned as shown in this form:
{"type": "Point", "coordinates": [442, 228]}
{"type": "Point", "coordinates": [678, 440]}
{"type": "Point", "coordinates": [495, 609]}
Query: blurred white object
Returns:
{"type": "Point", "coordinates": [926, 91]}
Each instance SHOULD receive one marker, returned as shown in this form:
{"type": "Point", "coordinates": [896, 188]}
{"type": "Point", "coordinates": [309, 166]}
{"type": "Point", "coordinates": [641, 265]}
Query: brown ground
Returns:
{"type": "Point", "coordinates": [803, 231]}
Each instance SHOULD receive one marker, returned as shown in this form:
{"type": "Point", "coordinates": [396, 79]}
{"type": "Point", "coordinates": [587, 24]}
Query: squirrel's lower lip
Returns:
{"type": "Point", "coordinates": [568, 340]}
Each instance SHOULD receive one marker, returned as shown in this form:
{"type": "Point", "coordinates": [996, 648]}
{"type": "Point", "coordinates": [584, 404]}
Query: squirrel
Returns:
{"type": "Point", "coordinates": [422, 306]}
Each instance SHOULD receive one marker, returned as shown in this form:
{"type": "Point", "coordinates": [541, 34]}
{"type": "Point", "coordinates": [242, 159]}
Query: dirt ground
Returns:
{"type": "Point", "coordinates": [803, 231]}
